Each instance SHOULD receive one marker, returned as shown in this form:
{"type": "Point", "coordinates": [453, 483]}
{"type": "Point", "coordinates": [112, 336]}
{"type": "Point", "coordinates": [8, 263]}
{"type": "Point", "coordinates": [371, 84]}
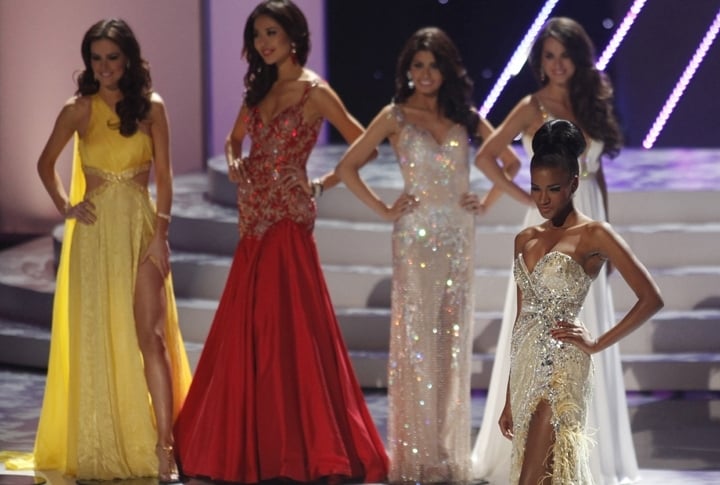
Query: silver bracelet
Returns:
{"type": "Point", "coordinates": [317, 188]}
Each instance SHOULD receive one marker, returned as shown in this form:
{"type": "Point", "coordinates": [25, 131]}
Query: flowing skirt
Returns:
{"type": "Point", "coordinates": [97, 420]}
{"type": "Point", "coordinates": [612, 459]}
{"type": "Point", "coordinates": [560, 376]}
{"type": "Point", "coordinates": [274, 394]}
{"type": "Point", "coordinates": [431, 347]}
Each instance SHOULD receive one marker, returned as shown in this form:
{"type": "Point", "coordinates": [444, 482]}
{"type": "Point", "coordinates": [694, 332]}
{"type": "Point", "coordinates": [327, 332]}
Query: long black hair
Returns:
{"type": "Point", "coordinates": [591, 92]}
{"type": "Point", "coordinates": [135, 83]}
{"type": "Point", "coordinates": [455, 95]}
{"type": "Point", "coordinates": [260, 76]}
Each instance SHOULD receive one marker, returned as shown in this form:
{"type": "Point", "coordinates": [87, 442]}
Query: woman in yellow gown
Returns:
{"type": "Point", "coordinates": [118, 371]}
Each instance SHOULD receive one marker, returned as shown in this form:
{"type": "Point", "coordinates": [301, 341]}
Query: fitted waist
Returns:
{"type": "Point", "coordinates": [109, 176]}
{"type": "Point", "coordinates": [449, 198]}
{"type": "Point", "coordinates": [552, 309]}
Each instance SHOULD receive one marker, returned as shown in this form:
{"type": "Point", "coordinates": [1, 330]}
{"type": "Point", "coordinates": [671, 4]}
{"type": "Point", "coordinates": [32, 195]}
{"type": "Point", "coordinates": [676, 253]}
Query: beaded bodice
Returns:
{"type": "Point", "coordinates": [553, 291]}
{"type": "Point", "coordinates": [435, 171]}
{"type": "Point", "coordinates": [556, 286]}
{"type": "Point", "coordinates": [284, 141]}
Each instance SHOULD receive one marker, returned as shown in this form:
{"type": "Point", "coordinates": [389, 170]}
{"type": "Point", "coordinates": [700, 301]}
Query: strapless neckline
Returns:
{"type": "Point", "coordinates": [545, 256]}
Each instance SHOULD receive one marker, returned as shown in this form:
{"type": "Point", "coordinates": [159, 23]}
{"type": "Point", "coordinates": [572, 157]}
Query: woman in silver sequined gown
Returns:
{"type": "Point", "coordinates": [557, 67]}
{"type": "Point", "coordinates": [550, 372]}
{"type": "Point", "coordinates": [433, 245]}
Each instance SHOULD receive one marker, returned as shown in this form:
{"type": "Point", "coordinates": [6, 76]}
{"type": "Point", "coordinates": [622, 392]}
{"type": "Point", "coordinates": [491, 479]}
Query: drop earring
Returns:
{"type": "Point", "coordinates": [293, 53]}
{"type": "Point", "coordinates": [542, 76]}
{"type": "Point", "coordinates": [410, 83]}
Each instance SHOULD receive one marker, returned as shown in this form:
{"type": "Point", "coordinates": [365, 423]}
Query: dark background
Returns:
{"type": "Point", "coordinates": [365, 37]}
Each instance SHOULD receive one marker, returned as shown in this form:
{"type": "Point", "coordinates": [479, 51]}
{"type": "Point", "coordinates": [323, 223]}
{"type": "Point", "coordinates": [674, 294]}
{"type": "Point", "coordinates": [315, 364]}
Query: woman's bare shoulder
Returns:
{"type": "Point", "coordinates": [75, 110]}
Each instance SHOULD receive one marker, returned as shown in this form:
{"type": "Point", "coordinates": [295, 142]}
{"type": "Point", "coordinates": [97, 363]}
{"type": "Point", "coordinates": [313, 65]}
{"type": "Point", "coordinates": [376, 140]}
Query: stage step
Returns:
{"type": "Point", "coordinates": [645, 187]}
{"type": "Point", "coordinates": [352, 286]}
{"type": "Point", "coordinates": [28, 345]}
{"type": "Point", "coordinates": [347, 232]}
{"type": "Point", "coordinates": [347, 242]}
{"type": "Point", "coordinates": [673, 229]}
{"type": "Point", "coordinates": [676, 371]}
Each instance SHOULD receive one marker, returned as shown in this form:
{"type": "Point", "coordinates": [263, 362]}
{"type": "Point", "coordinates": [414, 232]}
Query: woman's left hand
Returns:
{"type": "Point", "coordinates": [471, 203]}
{"type": "Point", "coordinates": [575, 334]}
{"type": "Point", "coordinates": [158, 252]}
{"type": "Point", "coordinates": [295, 177]}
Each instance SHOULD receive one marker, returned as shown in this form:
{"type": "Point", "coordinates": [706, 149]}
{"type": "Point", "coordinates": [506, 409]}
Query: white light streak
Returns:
{"type": "Point", "coordinates": [518, 58]}
{"type": "Point", "coordinates": [682, 83]}
{"type": "Point", "coordinates": [620, 34]}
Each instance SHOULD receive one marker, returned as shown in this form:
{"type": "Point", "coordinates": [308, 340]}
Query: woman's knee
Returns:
{"type": "Point", "coordinates": [151, 338]}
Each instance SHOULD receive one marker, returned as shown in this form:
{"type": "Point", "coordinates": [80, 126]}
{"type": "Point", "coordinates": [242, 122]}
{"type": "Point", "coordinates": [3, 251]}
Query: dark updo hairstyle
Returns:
{"type": "Point", "coordinates": [455, 95]}
{"type": "Point", "coordinates": [260, 76]}
{"type": "Point", "coordinates": [135, 83]}
{"type": "Point", "coordinates": [558, 144]}
{"type": "Point", "coordinates": [591, 92]}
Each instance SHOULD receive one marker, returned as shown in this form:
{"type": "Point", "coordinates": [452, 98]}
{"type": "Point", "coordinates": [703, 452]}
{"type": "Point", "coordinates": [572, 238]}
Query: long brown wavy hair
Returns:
{"type": "Point", "coordinates": [455, 94]}
{"type": "Point", "coordinates": [591, 92]}
{"type": "Point", "coordinates": [135, 83]}
{"type": "Point", "coordinates": [260, 76]}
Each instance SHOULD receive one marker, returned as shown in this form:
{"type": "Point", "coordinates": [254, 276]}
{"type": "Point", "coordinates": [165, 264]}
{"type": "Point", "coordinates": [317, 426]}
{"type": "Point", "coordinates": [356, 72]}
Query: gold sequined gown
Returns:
{"type": "Point", "coordinates": [432, 309]}
{"type": "Point", "coordinates": [612, 458]}
{"type": "Point", "coordinates": [543, 369]}
{"type": "Point", "coordinates": [97, 420]}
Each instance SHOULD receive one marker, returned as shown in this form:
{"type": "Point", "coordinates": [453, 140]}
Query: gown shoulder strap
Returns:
{"type": "Point", "coordinates": [398, 114]}
{"type": "Point", "coordinates": [545, 115]}
{"type": "Point", "coordinates": [308, 88]}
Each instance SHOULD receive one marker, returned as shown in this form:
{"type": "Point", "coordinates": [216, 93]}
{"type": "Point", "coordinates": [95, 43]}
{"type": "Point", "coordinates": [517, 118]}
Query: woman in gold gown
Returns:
{"type": "Point", "coordinates": [550, 365]}
{"type": "Point", "coordinates": [117, 372]}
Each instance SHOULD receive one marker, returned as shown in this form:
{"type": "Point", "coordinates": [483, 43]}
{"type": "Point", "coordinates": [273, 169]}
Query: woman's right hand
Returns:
{"type": "Point", "coordinates": [83, 212]}
{"type": "Point", "coordinates": [472, 203]}
{"type": "Point", "coordinates": [236, 173]}
{"type": "Point", "coordinates": [506, 422]}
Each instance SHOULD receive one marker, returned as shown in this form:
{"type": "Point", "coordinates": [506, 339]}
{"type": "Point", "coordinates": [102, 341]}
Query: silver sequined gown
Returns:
{"type": "Point", "coordinates": [542, 368]}
{"type": "Point", "coordinates": [432, 307]}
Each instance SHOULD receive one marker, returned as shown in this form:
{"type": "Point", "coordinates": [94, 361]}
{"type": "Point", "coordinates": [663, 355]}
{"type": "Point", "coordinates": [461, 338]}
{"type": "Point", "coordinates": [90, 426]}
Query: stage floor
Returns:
{"type": "Point", "coordinates": [675, 434]}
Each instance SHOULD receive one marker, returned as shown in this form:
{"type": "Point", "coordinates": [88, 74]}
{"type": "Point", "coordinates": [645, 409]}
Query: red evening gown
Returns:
{"type": "Point", "coordinates": [274, 394]}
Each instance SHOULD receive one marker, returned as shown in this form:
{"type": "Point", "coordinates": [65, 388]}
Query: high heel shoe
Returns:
{"type": "Point", "coordinates": [167, 467]}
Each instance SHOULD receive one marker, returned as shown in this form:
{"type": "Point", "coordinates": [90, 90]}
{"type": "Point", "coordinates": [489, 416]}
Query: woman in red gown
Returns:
{"type": "Point", "coordinates": [274, 394]}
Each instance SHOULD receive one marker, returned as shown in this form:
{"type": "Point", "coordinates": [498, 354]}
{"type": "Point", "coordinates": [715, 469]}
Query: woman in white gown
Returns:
{"type": "Point", "coordinates": [429, 126]}
{"type": "Point", "coordinates": [562, 58]}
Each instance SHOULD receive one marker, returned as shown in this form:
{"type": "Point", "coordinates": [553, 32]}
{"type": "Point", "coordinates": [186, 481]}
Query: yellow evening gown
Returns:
{"type": "Point", "coordinates": [97, 420]}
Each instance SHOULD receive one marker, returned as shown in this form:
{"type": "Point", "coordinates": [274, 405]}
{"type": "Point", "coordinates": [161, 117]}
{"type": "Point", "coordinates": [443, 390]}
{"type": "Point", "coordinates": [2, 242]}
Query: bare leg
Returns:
{"type": "Point", "coordinates": [150, 311]}
{"type": "Point", "coordinates": [537, 458]}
